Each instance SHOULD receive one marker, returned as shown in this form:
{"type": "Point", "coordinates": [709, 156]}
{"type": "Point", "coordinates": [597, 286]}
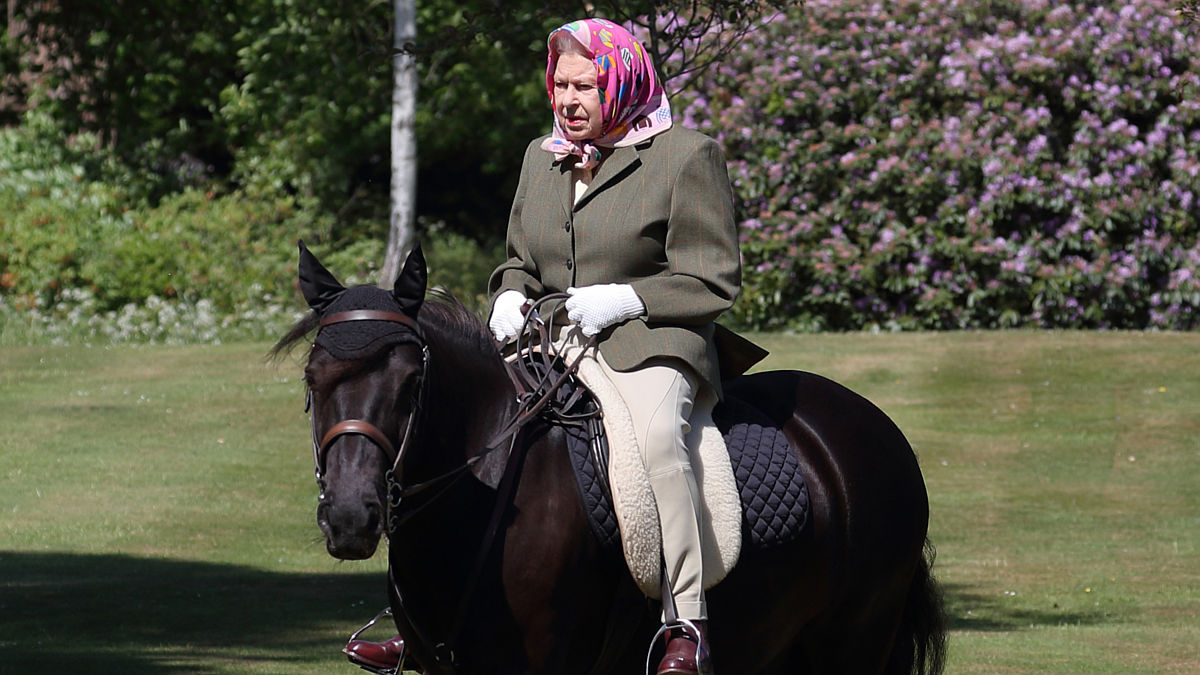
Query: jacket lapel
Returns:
{"type": "Point", "coordinates": [562, 184]}
{"type": "Point", "coordinates": [617, 164]}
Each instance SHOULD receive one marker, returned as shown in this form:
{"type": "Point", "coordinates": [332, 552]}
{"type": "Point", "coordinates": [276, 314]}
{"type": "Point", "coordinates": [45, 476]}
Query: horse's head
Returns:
{"type": "Point", "coordinates": [363, 375]}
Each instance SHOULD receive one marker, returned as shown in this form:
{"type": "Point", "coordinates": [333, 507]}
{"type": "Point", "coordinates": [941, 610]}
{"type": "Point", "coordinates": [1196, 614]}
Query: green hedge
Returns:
{"type": "Point", "coordinates": [86, 260]}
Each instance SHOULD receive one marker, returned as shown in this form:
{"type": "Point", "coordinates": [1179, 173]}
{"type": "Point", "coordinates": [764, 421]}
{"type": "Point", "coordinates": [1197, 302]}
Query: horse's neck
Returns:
{"type": "Point", "coordinates": [473, 391]}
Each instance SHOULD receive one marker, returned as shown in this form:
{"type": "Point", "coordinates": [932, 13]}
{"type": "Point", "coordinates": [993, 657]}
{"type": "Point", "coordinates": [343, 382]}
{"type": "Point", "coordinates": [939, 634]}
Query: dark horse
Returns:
{"type": "Point", "coordinates": [410, 396]}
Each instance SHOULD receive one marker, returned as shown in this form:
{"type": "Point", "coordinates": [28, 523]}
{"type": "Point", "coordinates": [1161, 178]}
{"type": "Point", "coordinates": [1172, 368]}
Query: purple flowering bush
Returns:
{"type": "Point", "coordinates": [963, 164]}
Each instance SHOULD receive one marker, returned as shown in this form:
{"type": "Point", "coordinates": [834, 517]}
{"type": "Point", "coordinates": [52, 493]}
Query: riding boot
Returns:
{"type": "Point", "coordinates": [687, 654]}
{"type": "Point", "coordinates": [376, 656]}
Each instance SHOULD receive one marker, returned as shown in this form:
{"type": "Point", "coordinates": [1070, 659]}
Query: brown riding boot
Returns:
{"type": "Point", "coordinates": [687, 654]}
{"type": "Point", "coordinates": [376, 656]}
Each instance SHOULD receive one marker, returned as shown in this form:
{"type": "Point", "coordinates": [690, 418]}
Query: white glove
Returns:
{"type": "Point", "coordinates": [599, 306]}
{"type": "Point", "coordinates": [507, 318]}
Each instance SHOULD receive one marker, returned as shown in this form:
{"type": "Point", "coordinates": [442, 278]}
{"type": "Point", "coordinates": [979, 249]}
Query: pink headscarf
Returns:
{"type": "Point", "coordinates": [633, 104]}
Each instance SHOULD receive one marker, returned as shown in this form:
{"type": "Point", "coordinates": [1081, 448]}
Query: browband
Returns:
{"type": "Point", "coordinates": [371, 315]}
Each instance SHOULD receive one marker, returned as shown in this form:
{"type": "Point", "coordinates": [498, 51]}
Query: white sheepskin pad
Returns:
{"type": "Point", "coordinates": [633, 500]}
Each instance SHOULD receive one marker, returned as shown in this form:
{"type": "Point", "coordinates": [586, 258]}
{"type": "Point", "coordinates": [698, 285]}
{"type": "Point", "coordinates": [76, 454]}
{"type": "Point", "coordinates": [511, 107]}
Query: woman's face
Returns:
{"type": "Point", "coordinates": [576, 97]}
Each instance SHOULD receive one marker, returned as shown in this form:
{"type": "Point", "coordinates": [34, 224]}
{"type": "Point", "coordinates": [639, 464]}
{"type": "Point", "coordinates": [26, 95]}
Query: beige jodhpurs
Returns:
{"type": "Point", "coordinates": [668, 413]}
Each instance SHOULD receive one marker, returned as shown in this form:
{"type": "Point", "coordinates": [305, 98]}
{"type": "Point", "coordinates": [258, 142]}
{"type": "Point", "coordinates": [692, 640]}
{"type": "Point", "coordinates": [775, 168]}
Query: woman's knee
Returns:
{"type": "Point", "coordinates": [665, 431]}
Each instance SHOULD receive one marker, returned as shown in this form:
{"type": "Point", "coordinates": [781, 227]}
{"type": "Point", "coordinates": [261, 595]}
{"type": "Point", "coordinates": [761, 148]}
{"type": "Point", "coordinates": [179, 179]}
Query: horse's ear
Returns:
{"type": "Point", "coordinates": [319, 286]}
{"type": "Point", "coordinates": [409, 290]}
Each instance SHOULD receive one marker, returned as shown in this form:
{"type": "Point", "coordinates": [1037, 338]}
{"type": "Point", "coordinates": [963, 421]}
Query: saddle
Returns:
{"type": "Point", "coordinates": [759, 499]}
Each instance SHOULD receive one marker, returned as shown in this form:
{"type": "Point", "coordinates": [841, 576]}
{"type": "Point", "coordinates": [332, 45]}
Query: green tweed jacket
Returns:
{"type": "Point", "coordinates": [657, 216]}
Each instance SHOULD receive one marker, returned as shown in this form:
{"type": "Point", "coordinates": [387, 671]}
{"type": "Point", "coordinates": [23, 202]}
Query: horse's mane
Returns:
{"type": "Point", "coordinates": [441, 314]}
{"type": "Point", "coordinates": [444, 315]}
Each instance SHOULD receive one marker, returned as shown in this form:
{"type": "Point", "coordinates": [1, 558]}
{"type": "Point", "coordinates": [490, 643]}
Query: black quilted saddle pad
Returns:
{"type": "Point", "coordinates": [775, 501]}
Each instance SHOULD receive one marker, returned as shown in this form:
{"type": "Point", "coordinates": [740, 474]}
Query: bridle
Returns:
{"type": "Point", "coordinates": [359, 427]}
{"type": "Point", "coordinates": [533, 395]}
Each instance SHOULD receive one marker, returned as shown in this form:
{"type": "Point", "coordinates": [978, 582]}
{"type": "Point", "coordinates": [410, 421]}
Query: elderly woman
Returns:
{"type": "Point", "coordinates": [633, 218]}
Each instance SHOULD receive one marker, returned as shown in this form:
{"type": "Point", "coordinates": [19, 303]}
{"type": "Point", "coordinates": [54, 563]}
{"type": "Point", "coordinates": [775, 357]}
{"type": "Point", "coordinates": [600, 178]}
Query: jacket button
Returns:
{"type": "Point", "coordinates": [567, 226]}
{"type": "Point", "coordinates": [570, 264]}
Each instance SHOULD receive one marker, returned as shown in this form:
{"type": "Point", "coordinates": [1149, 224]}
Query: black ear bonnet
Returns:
{"type": "Point", "coordinates": [360, 339]}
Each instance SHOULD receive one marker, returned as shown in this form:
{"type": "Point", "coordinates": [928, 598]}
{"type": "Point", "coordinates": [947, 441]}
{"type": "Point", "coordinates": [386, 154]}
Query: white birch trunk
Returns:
{"type": "Point", "coordinates": [404, 143]}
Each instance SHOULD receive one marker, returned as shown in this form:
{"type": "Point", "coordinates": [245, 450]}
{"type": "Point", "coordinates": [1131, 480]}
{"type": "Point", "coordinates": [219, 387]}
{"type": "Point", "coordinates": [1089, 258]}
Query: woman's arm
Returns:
{"type": "Point", "coordinates": [701, 245]}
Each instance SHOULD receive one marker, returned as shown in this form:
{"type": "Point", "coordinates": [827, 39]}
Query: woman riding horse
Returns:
{"type": "Point", "coordinates": [423, 433]}
{"type": "Point", "coordinates": [633, 218]}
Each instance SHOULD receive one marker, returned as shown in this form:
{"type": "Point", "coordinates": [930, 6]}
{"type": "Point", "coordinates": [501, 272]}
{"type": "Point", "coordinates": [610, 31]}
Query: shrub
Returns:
{"type": "Point", "coordinates": [80, 252]}
{"type": "Point", "coordinates": [963, 164]}
{"type": "Point", "coordinates": [85, 260]}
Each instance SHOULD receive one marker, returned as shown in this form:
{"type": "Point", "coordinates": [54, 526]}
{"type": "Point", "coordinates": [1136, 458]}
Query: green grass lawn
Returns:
{"type": "Point", "coordinates": [158, 503]}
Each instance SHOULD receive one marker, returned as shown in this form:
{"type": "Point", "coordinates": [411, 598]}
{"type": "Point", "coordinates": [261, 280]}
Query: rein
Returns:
{"type": "Point", "coordinates": [532, 401]}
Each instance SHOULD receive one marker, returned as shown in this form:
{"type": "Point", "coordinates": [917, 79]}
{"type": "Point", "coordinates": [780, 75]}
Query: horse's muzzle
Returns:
{"type": "Point", "coordinates": [350, 533]}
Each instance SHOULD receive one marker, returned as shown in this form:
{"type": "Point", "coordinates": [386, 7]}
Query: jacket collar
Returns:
{"type": "Point", "coordinates": [619, 163]}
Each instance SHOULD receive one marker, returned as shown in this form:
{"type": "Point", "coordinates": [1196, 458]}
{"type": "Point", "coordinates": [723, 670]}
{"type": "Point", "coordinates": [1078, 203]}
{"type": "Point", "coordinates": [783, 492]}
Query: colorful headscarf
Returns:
{"type": "Point", "coordinates": [633, 104]}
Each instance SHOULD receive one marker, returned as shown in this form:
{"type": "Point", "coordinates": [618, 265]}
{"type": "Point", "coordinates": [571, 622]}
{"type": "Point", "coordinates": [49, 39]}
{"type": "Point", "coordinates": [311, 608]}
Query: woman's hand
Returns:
{"type": "Point", "coordinates": [507, 317]}
{"type": "Point", "coordinates": [599, 306]}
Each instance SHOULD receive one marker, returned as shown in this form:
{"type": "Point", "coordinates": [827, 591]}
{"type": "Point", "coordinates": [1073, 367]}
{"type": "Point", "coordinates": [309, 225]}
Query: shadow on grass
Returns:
{"type": "Point", "coordinates": [62, 613]}
{"type": "Point", "coordinates": [967, 610]}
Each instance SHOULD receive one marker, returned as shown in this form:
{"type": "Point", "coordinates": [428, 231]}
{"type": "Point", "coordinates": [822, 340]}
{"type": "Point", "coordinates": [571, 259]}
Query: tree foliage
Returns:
{"type": "Point", "coordinates": [1190, 11]}
{"type": "Point", "coordinates": [145, 77]}
{"type": "Point", "coordinates": [965, 163]}
{"type": "Point", "coordinates": [308, 111]}
{"type": "Point", "coordinates": [287, 96]}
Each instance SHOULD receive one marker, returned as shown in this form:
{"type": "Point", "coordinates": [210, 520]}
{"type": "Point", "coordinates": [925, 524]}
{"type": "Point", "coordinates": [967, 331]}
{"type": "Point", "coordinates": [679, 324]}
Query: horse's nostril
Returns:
{"type": "Point", "coordinates": [373, 518]}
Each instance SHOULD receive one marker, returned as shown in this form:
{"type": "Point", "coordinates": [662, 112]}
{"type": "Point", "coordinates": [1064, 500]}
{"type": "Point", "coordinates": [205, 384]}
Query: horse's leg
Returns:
{"type": "Point", "coordinates": [559, 586]}
{"type": "Point", "coordinates": [860, 635]}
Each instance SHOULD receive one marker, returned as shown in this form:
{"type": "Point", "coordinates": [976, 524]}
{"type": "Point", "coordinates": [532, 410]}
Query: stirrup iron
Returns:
{"type": "Point", "coordinates": [703, 661]}
{"type": "Point", "coordinates": [386, 612]}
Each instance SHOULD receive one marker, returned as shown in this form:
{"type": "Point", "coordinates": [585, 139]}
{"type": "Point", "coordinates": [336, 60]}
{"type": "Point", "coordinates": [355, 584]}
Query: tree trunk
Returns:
{"type": "Point", "coordinates": [404, 142]}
